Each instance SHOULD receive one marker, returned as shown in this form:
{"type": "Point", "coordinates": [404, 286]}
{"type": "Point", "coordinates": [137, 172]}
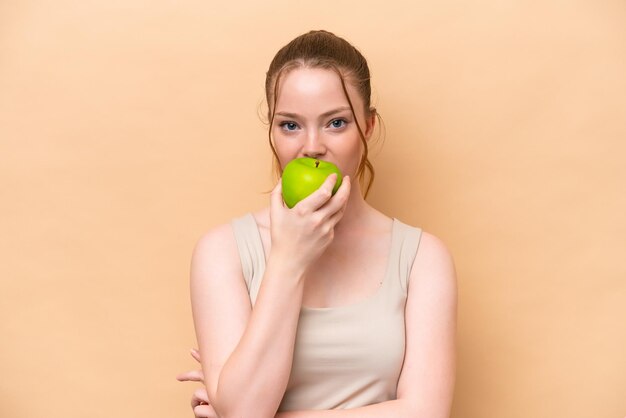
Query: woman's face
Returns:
{"type": "Point", "coordinates": [313, 119]}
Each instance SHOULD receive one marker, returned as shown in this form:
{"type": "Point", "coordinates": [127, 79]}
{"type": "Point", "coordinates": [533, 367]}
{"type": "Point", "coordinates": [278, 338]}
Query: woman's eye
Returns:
{"type": "Point", "coordinates": [289, 126]}
{"type": "Point", "coordinates": [338, 123]}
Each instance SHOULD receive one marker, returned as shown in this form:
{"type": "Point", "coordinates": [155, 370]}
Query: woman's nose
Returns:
{"type": "Point", "coordinates": [313, 146]}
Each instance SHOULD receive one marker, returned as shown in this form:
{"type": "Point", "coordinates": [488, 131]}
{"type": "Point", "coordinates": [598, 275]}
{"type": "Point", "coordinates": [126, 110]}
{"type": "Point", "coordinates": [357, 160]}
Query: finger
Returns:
{"type": "Point", "coordinates": [201, 394]}
{"type": "Point", "coordinates": [336, 217]}
{"type": "Point", "coordinates": [191, 376]}
{"type": "Point", "coordinates": [195, 354]}
{"type": "Point", "coordinates": [276, 198]}
{"type": "Point", "coordinates": [204, 411]}
{"type": "Point", "coordinates": [337, 203]}
{"type": "Point", "coordinates": [199, 397]}
{"type": "Point", "coordinates": [319, 197]}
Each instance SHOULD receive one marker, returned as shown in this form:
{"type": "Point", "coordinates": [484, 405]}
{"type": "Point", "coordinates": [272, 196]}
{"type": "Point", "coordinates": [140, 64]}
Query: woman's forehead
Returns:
{"type": "Point", "coordinates": [317, 88]}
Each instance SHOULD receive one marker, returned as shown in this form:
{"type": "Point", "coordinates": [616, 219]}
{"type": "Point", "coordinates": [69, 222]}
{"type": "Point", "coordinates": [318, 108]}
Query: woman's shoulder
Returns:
{"type": "Point", "coordinates": [220, 233]}
{"type": "Point", "coordinates": [433, 259]}
{"type": "Point", "coordinates": [432, 247]}
{"type": "Point", "coordinates": [216, 248]}
{"type": "Point", "coordinates": [221, 240]}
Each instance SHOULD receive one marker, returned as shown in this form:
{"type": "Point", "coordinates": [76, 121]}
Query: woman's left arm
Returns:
{"type": "Point", "coordinates": [426, 385]}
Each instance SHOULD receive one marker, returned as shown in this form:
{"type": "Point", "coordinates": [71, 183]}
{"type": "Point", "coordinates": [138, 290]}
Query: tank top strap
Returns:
{"type": "Point", "coordinates": [251, 251]}
{"type": "Point", "coordinates": [405, 245]}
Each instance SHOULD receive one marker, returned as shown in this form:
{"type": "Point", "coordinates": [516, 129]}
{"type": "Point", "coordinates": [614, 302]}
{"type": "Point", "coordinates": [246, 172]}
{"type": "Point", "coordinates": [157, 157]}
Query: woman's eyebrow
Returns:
{"type": "Point", "coordinates": [322, 116]}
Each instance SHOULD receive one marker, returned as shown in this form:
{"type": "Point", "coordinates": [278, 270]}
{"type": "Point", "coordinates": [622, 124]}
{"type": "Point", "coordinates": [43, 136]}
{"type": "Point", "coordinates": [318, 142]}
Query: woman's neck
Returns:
{"type": "Point", "coordinates": [357, 214]}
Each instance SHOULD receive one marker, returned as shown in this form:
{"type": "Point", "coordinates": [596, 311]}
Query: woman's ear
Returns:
{"type": "Point", "coordinates": [370, 123]}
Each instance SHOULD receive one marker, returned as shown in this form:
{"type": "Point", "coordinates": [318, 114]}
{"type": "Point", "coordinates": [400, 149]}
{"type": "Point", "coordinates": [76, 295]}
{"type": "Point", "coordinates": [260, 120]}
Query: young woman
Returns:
{"type": "Point", "coordinates": [330, 308]}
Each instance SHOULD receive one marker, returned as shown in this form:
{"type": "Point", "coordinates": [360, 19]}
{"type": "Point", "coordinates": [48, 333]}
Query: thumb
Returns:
{"type": "Point", "coordinates": [277, 195]}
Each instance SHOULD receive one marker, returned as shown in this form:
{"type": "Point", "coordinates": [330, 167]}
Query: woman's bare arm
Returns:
{"type": "Point", "coordinates": [428, 374]}
{"type": "Point", "coordinates": [247, 353]}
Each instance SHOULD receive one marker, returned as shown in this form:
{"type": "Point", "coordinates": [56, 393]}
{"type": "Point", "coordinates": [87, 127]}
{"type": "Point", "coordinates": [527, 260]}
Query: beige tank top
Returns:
{"type": "Point", "coordinates": [347, 356]}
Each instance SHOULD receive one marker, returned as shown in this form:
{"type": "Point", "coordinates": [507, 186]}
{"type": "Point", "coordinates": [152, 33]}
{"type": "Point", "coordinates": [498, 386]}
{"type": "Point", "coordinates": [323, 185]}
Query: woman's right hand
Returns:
{"type": "Point", "coordinates": [303, 232]}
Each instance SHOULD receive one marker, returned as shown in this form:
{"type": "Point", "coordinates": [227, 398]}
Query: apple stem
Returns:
{"type": "Point", "coordinates": [317, 164]}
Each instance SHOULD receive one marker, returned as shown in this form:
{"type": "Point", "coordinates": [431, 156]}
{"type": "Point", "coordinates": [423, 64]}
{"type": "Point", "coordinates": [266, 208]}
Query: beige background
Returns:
{"type": "Point", "coordinates": [129, 128]}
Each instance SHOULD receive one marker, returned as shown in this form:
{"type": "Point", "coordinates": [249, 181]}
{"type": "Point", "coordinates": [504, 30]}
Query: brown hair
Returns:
{"type": "Point", "coordinates": [323, 49]}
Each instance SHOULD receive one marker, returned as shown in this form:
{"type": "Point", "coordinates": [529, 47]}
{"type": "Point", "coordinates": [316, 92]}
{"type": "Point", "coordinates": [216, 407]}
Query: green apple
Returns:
{"type": "Point", "coordinates": [303, 176]}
